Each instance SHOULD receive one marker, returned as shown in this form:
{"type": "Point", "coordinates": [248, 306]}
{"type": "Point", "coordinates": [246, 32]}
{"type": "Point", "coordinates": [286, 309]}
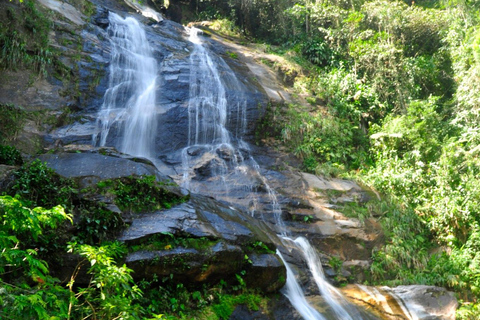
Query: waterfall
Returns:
{"type": "Point", "coordinates": [207, 108]}
{"type": "Point", "coordinates": [129, 109]}
{"type": "Point", "coordinates": [340, 306]}
{"type": "Point", "coordinates": [294, 293]}
{"type": "Point", "coordinates": [208, 117]}
{"type": "Point", "coordinates": [129, 101]}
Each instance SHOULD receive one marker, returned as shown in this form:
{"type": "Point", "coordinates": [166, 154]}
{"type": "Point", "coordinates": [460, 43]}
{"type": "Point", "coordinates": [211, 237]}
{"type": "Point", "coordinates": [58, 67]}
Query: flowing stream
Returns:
{"type": "Point", "coordinates": [129, 108]}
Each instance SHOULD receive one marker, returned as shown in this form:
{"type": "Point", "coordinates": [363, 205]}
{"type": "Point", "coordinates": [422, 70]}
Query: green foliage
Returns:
{"type": "Point", "coordinates": [168, 241]}
{"type": "Point", "coordinates": [183, 301]}
{"type": "Point", "coordinates": [321, 138]}
{"type": "Point", "coordinates": [336, 263]}
{"type": "Point", "coordinates": [226, 304]}
{"type": "Point", "coordinates": [95, 223]}
{"type": "Point", "coordinates": [232, 55]}
{"type": "Point", "coordinates": [318, 52]}
{"type": "Point", "coordinates": [42, 186]}
{"type": "Point", "coordinates": [260, 247]}
{"type": "Point", "coordinates": [10, 156]}
{"type": "Point", "coordinates": [140, 194]}
{"type": "Point", "coordinates": [24, 39]}
{"type": "Point", "coordinates": [31, 292]}
{"type": "Point", "coordinates": [21, 226]}
{"type": "Point", "coordinates": [111, 293]}
{"type": "Point", "coordinates": [11, 121]}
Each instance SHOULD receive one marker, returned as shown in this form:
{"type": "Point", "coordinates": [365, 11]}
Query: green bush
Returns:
{"type": "Point", "coordinates": [321, 138]}
{"type": "Point", "coordinates": [140, 193]}
{"type": "Point", "coordinates": [10, 156]}
{"type": "Point", "coordinates": [42, 186]}
{"type": "Point", "coordinates": [318, 52]}
{"type": "Point", "coordinates": [28, 292]}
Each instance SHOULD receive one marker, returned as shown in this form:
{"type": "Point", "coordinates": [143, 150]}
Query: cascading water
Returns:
{"type": "Point", "coordinates": [207, 107]}
{"type": "Point", "coordinates": [129, 101]}
{"type": "Point", "coordinates": [340, 306]}
{"type": "Point", "coordinates": [209, 140]}
{"type": "Point", "coordinates": [129, 106]}
{"type": "Point", "coordinates": [294, 293]}
{"type": "Point", "coordinates": [207, 129]}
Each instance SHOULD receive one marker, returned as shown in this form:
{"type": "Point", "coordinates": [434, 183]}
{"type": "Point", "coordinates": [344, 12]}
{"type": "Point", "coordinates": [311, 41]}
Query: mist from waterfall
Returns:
{"type": "Point", "coordinates": [129, 102]}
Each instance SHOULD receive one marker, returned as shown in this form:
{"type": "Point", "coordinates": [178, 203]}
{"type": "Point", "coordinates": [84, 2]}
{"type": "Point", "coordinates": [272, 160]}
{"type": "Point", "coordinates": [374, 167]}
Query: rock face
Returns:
{"type": "Point", "coordinates": [90, 168]}
{"type": "Point", "coordinates": [407, 302]}
{"type": "Point", "coordinates": [203, 217]}
{"type": "Point", "coordinates": [172, 50]}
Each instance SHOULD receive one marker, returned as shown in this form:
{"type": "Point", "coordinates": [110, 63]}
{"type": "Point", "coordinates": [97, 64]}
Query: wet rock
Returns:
{"type": "Point", "coordinates": [204, 217]}
{"type": "Point", "coordinates": [181, 219]}
{"type": "Point", "coordinates": [89, 168]}
{"type": "Point", "coordinates": [407, 302]}
{"type": "Point", "coordinates": [266, 272]}
{"type": "Point", "coordinates": [225, 153]}
{"type": "Point", "coordinates": [200, 217]}
{"type": "Point", "coordinates": [282, 309]}
{"type": "Point", "coordinates": [221, 261]}
{"type": "Point", "coordinates": [242, 312]}
{"type": "Point", "coordinates": [427, 302]}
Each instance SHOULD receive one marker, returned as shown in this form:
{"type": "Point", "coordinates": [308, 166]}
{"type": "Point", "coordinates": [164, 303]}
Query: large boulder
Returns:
{"type": "Point", "coordinates": [88, 168]}
{"type": "Point", "coordinates": [232, 232]}
{"type": "Point", "coordinates": [188, 265]}
{"type": "Point", "coordinates": [406, 302]}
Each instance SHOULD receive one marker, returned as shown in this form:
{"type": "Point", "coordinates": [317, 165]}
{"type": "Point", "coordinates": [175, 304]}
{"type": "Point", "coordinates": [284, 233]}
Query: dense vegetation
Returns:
{"type": "Point", "coordinates": [394, 94]}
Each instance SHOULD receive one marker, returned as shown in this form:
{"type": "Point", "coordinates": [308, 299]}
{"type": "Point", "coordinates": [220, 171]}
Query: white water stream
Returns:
{"type": "Point", "coordinates": [129, 101]}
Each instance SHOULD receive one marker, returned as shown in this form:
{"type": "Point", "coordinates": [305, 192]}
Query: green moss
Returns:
{"type": "Point", "coordinates": [10, 156]}
{"type": "Point", "coordinates": [168, 241]}
{"type": "Point", "coordinates": [140, 193]}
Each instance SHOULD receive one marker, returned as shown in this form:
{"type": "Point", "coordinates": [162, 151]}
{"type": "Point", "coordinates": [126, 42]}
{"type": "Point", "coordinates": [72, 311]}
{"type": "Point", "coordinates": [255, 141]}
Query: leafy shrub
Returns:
{"type": "Point", "coordinates": [318, 52]}
{"type": "Point", "coordinates": [10, 156]}
{"type": "Point", "coordinates": [30, 292]}
{"type": "Point", "coordinates": [42, 186]}
{"type": "Point", "coordinates": [94, 223]}
{"type": "Point", "coordinates": [111, 293]}
{"type": "Point", "coordinates": [321, 138]}
{"type": "Point", "coordinates": [140, 194]}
